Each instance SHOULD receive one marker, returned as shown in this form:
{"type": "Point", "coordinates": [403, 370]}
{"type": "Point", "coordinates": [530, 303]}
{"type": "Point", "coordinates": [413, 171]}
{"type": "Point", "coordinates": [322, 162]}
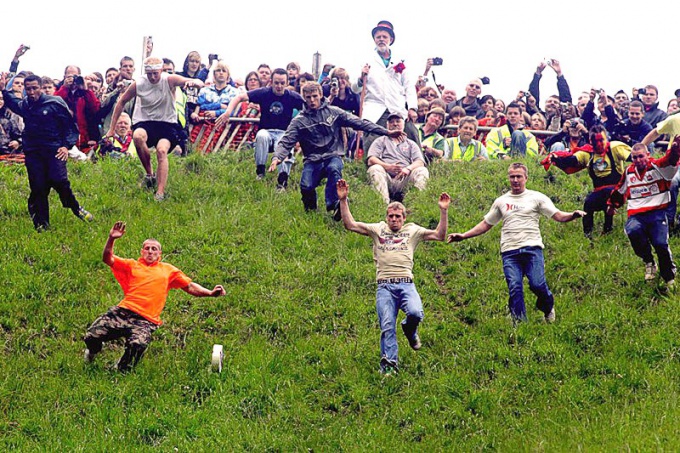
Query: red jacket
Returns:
{"type": "Point", "coordinates": [84, 105]}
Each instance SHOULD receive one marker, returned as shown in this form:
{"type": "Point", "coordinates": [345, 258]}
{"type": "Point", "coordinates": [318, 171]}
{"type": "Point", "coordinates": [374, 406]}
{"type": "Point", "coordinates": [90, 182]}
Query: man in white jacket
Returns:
{"type": "Point", "coordinates": [388, 88]}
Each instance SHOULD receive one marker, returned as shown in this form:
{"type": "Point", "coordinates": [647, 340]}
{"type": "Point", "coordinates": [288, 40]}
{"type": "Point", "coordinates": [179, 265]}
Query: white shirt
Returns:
{"type": "Point", "coordinates": [386, 89]}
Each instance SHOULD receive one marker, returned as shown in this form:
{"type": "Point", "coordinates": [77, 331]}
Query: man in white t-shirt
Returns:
{"type": "Point", "coordinates": [393, 245]}
{"type": "Point", "coordinates": [521, 242]}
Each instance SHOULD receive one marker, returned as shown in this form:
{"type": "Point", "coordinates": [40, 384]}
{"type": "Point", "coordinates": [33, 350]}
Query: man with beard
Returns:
{"type": "Point", "coordinates": [605, 162]}
{"type": "Point", "coordinates": [388, 88]}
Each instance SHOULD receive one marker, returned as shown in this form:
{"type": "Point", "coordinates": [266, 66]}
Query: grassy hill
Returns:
{"type": "Point", "coordinates": [300, 330]}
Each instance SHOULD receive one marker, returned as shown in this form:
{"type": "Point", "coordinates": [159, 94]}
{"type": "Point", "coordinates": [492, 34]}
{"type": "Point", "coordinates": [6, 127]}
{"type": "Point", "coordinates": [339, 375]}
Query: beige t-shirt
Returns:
{"type": "Point", "coordinates": [520, 215]}
{"type": "Point", "coordinates": [393, 252]}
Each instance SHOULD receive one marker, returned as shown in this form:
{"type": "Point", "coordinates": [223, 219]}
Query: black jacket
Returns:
{"type": "Point", "coordinates": [48, 123]}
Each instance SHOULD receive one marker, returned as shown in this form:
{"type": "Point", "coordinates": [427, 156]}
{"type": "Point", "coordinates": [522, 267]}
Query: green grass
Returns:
{"type": "Point", "coordinates": [300, 332]}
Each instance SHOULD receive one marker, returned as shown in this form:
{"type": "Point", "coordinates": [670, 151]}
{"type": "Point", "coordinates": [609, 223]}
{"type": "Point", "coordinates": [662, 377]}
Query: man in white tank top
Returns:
{"type": "Point", "coordinates": [154, 120]}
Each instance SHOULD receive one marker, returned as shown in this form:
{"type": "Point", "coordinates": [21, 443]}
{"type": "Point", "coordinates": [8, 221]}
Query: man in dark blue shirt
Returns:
{"type": "Point", "coordinates": [49, 132]}
{"type": "Point", "coordinates": [277, 108]}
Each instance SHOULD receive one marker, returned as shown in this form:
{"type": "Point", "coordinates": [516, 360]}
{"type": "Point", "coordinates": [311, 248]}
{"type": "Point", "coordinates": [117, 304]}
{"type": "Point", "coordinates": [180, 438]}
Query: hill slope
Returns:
{"type": "Point", "coordinates": [300, 330]}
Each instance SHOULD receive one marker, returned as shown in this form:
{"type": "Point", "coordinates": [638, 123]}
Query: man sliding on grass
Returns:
{"type": "Point", "coordinates": [145, 283]}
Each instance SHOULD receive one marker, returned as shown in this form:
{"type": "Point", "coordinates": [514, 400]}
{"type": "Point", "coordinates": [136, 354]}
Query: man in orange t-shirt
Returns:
{"type": "Point", "coordinates": [145, 283]}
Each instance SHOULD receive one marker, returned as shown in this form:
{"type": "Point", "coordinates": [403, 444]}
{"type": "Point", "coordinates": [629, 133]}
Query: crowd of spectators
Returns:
{"type": "Point", "coordinates": [560, 125]}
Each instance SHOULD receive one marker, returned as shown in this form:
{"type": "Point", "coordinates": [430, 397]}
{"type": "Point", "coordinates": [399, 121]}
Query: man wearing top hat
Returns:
{"type": "Point", "coordinates": [388, 88]}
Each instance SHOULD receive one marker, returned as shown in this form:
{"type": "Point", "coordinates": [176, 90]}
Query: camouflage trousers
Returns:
{"type": "Point", "coordinates": [117, 323]}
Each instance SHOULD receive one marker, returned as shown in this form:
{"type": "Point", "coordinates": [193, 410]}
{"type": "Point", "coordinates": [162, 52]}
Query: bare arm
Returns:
{"type": "Point", "coordinates": [649, 138]}
{"type": "Point", "coordinates": [116, 232]}
{"type": "Point", "coordinates": [128, 95]}
{"type": "Point", "coordinates": [223, 119]}
{"type": "Point", "coordinates": [347, 219]}
{"type": "Point", "coordinates": [439, 234]}
{"type": "Point", "coordinates": [479, 229]}
{"type": "Point", "coordinates": [197, 290]}
{"type": "Point", "coordinates": [175, 80]}
{"type": "Point", "coordinates": [561, 216]}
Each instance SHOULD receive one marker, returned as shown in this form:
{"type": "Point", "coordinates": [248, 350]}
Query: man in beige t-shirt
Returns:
{"type": "Point", "coordinates": [393, 245]}
{"type": "Point", "coordinates": [521, 243]}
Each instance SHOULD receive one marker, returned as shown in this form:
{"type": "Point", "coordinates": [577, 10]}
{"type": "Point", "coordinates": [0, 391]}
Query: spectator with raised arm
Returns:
{"type": "Point", "coordinates": [564, 95]}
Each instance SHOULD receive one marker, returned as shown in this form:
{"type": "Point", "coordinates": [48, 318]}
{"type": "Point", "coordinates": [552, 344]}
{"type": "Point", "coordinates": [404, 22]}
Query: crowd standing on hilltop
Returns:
{"type": "Point", "coordinates": [399, 123]}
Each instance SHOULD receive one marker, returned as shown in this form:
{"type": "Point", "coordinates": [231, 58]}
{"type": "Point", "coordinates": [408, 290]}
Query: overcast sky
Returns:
{"type": "Point", "coordinates": [610, 45]}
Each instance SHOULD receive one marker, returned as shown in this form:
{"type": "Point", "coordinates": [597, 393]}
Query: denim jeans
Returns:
{"type": "Point", "coordinates": [647, 230]}
{"type": "Point", "coordinates": [518, 263]}
{"type": "Point", "coordinates": [313, 173]}
{"type": "Point", "coordinates": [390, 298]}
{"type": "Point", "coordinates": [265, 141]}
{"type": "Point", "coordinates": [672, 208]}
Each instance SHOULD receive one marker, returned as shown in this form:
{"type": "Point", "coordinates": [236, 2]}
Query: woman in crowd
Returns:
{"type": "Point", "coordinates": [246, 131]}
{"type": "Point", "coordinates": [672, 106]}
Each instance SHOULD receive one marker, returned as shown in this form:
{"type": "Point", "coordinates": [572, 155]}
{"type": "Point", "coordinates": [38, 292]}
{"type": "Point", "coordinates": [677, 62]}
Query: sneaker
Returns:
{"type": "Point", "coordinates": [650, 271]}
{"type": "Point", "coordinates": [259, 177]}
{"type": "Point", "coordinates": [88, 356]}
{"type": "Point", "coordinates": [337, 214]}
{"type": "Point", "coordinates": [282, 180]}
{"type": "Point", "coordinates": [388, 371]}
{"type": "Point", "coordinates": [550, 317]}
{"type": "Point", "coordinates": [149, 182]}
{"type": "Point", "coordinates": [84, 215]}
{"type": "Point", "coordinates": [280, 188]}
{"type": "Point", "coordinates": [413, 341]}
{"type": "Point", "coordinates": [160, 197]}
{"type": "Point", "coordinates": [388, 367]}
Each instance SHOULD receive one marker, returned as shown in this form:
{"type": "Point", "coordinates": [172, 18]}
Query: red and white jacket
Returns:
{"type": "Point", "coordinates": [648, 190]}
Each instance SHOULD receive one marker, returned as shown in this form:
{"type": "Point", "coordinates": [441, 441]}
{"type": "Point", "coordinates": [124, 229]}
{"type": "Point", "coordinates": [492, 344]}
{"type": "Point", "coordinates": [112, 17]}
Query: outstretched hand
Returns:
{"type": "Point", "coordinates": [218, 291]}
{"type": "Point", "coordinates": [578, 214]}
{"type": "Point", "coordinates": [455, 237]}
{"type": "Point", "coordinates": [118, 230]}
{"type": "Point", "coordinates": [444, 200]}
{"type": "Point", "coordinates": [222, 120]}
{"type": "Point", "coordinates": [343, 189]}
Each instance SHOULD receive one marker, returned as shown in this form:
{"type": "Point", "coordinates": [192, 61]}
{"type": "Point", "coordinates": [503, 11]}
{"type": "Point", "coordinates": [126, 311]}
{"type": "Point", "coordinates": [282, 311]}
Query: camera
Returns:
{"type": "Point", "coordinates": [78, 80]}
{"type": "Point", "coordinates": [437, 61]}
{"type": "Point", "coordinates": [334, 82]}
{"type": "Point", "coordinates": [485, 80]}
{"type": "Point", "coordinates": [213, 56]}
{"type": "Point", "coordinates": [642, 91]}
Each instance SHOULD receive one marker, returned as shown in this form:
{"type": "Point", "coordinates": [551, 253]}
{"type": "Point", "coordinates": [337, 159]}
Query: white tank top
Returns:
{"type": "Point", "coordinates": [154, 102]}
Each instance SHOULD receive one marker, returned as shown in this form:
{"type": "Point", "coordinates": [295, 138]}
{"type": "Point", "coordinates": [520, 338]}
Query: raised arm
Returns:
{"type": "Point", "coordinates": [197, 290]}
{"type": "Point", "coordinates": [439, 234]}
{"type": "Point", "coordinates": [116, 232]}
{"type": "Point", "coordinates": [479, 229]}
{"type": "Point", "coordinates": [347, 219]}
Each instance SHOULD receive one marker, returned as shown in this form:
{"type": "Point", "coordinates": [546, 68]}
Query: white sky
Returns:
{"type": "Point", "coordinates": [610, 45]}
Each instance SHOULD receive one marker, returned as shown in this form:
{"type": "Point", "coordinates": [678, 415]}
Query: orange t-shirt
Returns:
{"type": "Point", "coordinates": [146, 287]}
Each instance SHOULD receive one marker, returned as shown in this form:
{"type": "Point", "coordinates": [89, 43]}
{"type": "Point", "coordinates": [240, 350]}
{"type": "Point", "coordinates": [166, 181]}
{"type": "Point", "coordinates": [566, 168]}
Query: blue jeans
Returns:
{"type": "Point", "coordinates": [390, 298]}
{"type": "Point", "coordinates": [265, 141]}
{"type": "Point", "coordinates": [313, 173]}
{"type": "Point", "coordinates": [518, 263]}
{"type": "Point", "coordinates": [672, 208]}
{"type": "Point", "coordinates": [647, 230]}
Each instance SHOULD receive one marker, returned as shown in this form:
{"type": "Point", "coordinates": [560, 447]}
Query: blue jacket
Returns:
{"type": "Point", "coordinates": [48, 123]}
